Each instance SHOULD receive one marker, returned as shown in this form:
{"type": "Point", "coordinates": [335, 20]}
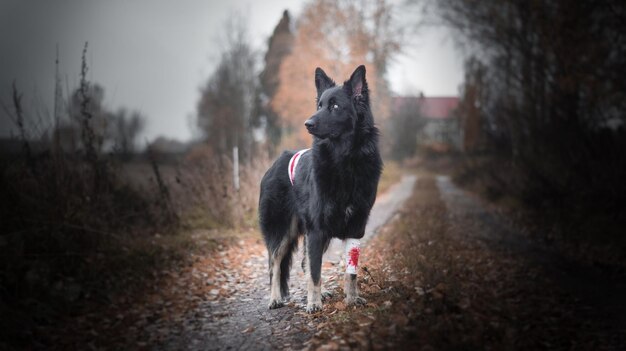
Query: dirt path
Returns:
{"type": "Point", "coordinates": [242, 319]}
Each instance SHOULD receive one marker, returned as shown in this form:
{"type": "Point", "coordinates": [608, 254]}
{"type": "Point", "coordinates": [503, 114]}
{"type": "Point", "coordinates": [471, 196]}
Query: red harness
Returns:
{"type": "Point", "coordinates": [293, 163]}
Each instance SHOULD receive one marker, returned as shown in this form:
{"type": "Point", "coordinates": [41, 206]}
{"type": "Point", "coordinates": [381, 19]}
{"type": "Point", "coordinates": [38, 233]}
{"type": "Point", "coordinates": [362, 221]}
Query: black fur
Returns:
{"type": "Point", "coordinates": [335, 184]}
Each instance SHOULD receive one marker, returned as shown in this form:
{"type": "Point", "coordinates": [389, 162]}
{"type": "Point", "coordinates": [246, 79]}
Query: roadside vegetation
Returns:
{"type": "Point", "coordinates": [543, 118]}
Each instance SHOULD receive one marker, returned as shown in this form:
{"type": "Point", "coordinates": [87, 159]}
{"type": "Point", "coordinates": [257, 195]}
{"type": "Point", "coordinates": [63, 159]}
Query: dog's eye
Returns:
{"type": "Point", "coordinates": [335, 106]}
{"type": "Point", "coordinates": [319, 106]}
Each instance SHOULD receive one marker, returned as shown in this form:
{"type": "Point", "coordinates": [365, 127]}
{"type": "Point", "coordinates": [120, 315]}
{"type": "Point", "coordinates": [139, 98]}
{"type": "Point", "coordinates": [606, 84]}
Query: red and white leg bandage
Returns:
{"type": "Point", "coordinates": [352, 252]}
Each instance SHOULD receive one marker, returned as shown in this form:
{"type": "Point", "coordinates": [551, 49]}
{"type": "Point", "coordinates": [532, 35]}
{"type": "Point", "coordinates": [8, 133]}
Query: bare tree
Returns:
{"type": "Point", "coordinates": [280, 45]}
{"type": "Point", "coordinates": [404, 124]}
{"type": "Point", "coordinates": [473, 96]}
{"type": "Point", "coordinates": [553, 77]}
{"type": "Point", "coordinates": [127, 129]}
{"type": "Point", "coordinates": [226, 107]}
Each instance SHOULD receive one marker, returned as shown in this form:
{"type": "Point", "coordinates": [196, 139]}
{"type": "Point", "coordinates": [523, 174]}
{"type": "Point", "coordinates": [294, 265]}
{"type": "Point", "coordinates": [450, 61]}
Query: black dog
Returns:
{"type": "Point", "coordinates": [324, 193]}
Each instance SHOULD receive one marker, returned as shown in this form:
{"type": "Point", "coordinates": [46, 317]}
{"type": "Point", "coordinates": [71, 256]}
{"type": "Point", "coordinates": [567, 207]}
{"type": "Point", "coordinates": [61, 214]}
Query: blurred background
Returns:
{"type": "Point", "coordinates": [125, 123]}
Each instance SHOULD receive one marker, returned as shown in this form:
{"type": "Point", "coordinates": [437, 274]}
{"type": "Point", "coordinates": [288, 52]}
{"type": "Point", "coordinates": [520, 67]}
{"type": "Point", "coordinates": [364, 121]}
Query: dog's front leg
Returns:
{"type": "Point", "coordinates": [352, 253]}
{"type": "Point", "coordinates": [314, 252]}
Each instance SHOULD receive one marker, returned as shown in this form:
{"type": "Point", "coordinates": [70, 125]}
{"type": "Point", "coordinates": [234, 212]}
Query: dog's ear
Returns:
{"type": "Point", "coordinates": [322, 81]}
{"type": "Point", "coordinates": [357, 85]}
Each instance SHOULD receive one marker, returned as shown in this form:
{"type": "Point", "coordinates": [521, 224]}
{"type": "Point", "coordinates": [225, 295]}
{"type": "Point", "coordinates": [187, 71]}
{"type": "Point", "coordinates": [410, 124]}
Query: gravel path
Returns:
{"type": "Point", "coordinates": [242, 320]}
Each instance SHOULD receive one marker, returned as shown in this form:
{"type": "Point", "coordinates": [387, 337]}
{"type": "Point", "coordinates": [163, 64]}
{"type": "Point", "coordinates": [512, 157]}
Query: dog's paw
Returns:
{"type": "Point", "coordinates": [326, 294]}
{"type": "Point", "coordinates": [354, 300]}
{"type": "Point", "coordinates": [276, 304]}
{"type": "Point", "coordinates": [313, 307]}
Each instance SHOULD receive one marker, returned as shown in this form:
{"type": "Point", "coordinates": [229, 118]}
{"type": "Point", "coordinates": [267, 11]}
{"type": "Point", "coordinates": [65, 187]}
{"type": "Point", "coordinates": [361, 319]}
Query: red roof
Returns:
{"type": "Point", "coordinates": [440, 107]}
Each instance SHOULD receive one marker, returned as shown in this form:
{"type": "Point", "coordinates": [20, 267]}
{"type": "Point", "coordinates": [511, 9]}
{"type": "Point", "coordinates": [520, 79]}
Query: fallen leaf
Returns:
{"type": "Point", "coordinates": [400, 319]}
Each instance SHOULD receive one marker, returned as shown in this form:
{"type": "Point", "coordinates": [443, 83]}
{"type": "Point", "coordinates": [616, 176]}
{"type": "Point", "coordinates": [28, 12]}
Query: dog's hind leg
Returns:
{"type": "Point", "coordinates": [279, 265]}
{"type": "Point", "coordinates": [276, 257]}
{"type": "Point", "coordinates": [285, 263]}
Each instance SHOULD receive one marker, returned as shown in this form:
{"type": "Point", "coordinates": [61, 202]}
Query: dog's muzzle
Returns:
{"type": "Point", "coordinates": [310, 125]}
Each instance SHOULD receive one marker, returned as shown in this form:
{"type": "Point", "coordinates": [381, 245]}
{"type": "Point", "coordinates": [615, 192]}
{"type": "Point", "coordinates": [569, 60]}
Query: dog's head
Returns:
{"type": "Point", "coordinates": [339, 108]}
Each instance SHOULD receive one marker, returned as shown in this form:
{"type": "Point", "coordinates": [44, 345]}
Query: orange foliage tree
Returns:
{"type": "Point", "coordinates": [336, 35]}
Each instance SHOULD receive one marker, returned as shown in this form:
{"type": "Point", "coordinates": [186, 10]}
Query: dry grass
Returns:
{"type": "Point", "coordinates": [204, 194]}
{"type": "Point", "coordinates": [585, 230]}
{"type": "Point", "coordinates": [392, 172]}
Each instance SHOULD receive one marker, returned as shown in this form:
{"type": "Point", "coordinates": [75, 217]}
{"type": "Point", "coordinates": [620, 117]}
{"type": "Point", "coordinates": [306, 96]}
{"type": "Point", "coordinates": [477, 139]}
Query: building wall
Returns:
{"type": "Point", "coordinates": [441, 131]}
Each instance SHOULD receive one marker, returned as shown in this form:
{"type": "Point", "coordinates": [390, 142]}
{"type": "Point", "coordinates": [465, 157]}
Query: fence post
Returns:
{"type": "Point", "coordinates": [236, 167]}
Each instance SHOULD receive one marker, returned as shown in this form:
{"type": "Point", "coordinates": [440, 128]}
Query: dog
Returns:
{"type": "Point", "coordinates": [324, 192]}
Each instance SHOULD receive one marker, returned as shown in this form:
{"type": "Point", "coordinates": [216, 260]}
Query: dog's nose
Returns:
{"type": "Point", "coordinates": [309, 124]}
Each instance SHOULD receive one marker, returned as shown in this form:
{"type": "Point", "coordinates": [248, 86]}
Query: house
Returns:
{"type": "Point", "coordinates": [440, 128]}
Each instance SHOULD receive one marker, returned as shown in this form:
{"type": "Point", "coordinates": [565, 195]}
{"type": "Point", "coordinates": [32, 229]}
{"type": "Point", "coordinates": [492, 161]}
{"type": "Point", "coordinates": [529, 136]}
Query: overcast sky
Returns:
{"type": "Point", "coordinates": [153, 56]}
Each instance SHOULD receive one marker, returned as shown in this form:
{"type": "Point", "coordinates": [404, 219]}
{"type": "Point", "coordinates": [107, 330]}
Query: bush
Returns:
{"type": "Point", "coordinates": [205, 196]}
{"type": "Point", "coordinates": [58, 211]}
